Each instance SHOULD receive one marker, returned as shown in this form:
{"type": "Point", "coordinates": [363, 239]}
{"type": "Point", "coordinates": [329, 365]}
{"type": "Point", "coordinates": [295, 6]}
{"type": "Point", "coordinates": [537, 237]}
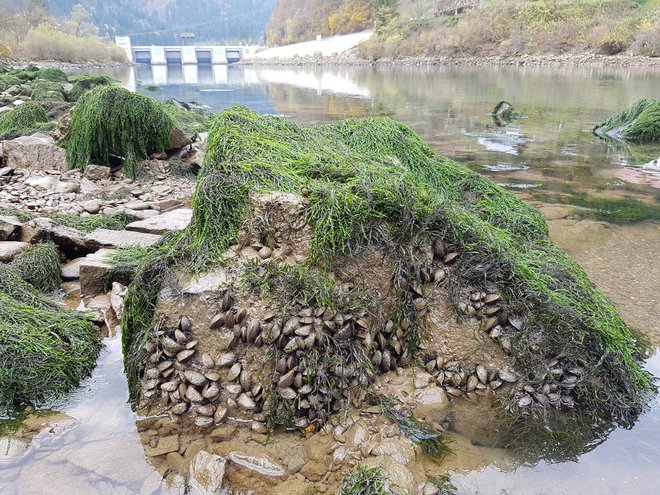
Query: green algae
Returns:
{"type": "Point", "coordinates": [39, 265]}
{"type": "Point", "coordinates": [364, 480]}
{"type": "Point", "coordinates": [110, 120]}
{"type": "Point", "coordinates": [190, 121]}
{"type": "Point", "coordinates": [640, 122]}
{"type": "Point", "coordinates": [25, 119]}
{"type": "Point", "coordinates": [84, 83]}
{"type": "Point", "coordinates": [46, 348]}
{"type": "Point", "coordinates": [374, 182]}
{"type": "Point", "coordinates": [47, 90]}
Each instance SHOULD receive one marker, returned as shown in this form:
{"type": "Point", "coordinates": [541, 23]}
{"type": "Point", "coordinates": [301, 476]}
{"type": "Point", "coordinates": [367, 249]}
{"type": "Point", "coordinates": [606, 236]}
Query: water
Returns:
{"type": "Point", "coordinates": [550, 151]}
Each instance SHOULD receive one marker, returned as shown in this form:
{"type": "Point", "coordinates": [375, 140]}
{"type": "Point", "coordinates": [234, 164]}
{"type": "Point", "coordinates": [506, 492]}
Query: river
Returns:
{"type": "Point", "coordinates": [546, 155]}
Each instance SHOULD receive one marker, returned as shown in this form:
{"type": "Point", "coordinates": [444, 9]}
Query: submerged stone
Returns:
{"type": "Point", "coordinates": [640, 122]}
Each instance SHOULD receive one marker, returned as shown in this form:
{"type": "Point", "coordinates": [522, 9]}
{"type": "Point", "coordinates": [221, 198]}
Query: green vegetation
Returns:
{"type": "Point", "coordinates": [364, 481]}
{"type": "Point", "coordinates": [116, 221]}
{"type": "Point", "coordinates": [374, 182]}
{"type": "Point", "coordinates": [47, 90]}
{"type": "Point", "coordinates": [611, 210]}
{"type": "Point", "coordinates": [46, 349]}
{"type": "Point", "coordinates": [82, 84]}
{"type": "Point", "coordinates": [51, 74]}
{"type": "Point", "coordinates": [189, 121]}
{"type": "Point", "coordinates": [25, 119]}
{"type": "Point", "coordinates": [640, 122]}
{"type": "Point", "coordinates": [8, 80]}
{"type": "Point", "coordinates": [39, 265]}
{"type": "Point", "coordinates": [112, 120]}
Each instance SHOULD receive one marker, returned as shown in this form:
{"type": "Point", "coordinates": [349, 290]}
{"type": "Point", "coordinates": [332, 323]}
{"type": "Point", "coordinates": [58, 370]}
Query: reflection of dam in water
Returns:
{"type": "Point", "coordinates": [220, 76]}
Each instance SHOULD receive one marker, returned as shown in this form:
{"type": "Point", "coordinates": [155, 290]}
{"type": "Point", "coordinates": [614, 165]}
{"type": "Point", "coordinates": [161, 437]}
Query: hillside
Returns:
{"type": "Point", "coordinates": [162, 22]}
{"type": "Point", "coordinates": [476, 27]}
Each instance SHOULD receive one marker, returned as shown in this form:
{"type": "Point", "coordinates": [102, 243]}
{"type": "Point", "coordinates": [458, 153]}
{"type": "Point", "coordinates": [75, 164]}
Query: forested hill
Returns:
{"type": "Point", "coordinates": [163, 21]}
{"type": "Point", "coordinates": [476, 27]}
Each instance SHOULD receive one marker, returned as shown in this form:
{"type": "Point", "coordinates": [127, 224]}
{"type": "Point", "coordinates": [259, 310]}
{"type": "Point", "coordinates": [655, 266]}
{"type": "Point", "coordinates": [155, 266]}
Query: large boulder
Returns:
{"type": "Point", "coordinates": [36, 152]}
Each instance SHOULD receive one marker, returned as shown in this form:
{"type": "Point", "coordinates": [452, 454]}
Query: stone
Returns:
{"type": "Point", "coordinates": [295, 486]}
{"type": "Point", "coordinates": [10, 228]}
{"type": "Point", "coordinates": [63, 187]}
{"type": "Point", "coordinates": [314, 471]}
{"type": "Point", "coordinates": [71, 269]}
{"type": "Point", "coordinates": [170, 221]}
{"type": "Point", "coordinates": [9, 249]}
{"type": "Point", "coordinates": [207, 472]}
{"type": "Point", "coordinates": [95, 272]}
{"type": "Point", "coordinates": [91, 206]}
{"type": "Point", "coordinates": [120, 238]}
{"type": "Point", "coordinates": [36, 152]}
{"type": "Point", "coordinates": [177, 139]}
{"type": "Point", "coordinates": [260, 464]}
{"type": "Point", "coordinates": [44, 229]}
{"type": "Point", "coordinates": [97, 172]}
{"type": "Point", "coordinates": [165, 446]}
{"type": "Point", "coordinates": [12, 448]}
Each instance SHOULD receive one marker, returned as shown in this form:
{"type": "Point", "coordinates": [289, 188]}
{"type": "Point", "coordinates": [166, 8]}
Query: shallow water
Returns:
{"type": "Point", "coordinates": [547, 151]}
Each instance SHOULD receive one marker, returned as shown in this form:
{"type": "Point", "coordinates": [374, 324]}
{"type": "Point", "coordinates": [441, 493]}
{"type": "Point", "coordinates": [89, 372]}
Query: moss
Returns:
{"type": "Point", "coordinates": [25, 119]}
{"type": "Point", "coordinates": [190, 121]}
{"type": "Point", "coordinates": [83, 83]}
{"type": "Point", "coordinates": [640, 122]}
{"type": "Point", "coordinates": [46, 349]}
{"type": "Point", "coordinates": [364, 481]}
{"type": "Point", "coordinates": [110, 120]}
{"type": "Point", "coordinates": [39, 265]}
{"type": "Point", "coordinates": [51, 74]}
{"type": "Point", "coordinates": [47, 90]}
{"type": "Point", "coordinates": [375, 182]}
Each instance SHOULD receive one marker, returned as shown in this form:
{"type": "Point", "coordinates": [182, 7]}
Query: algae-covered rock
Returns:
{"type": "Point", "coordinates": [111, 120]}
{"type": "Point", "coordinates": [345, 247]}
{"type": "Point", "coordinates": [24, 119]}
{"type": "Point", "coordinates": [46, 349]}
{"type": "Point", "coordinates": [640, 122]}
{"type": "Point", "coordinates": [504, 113]}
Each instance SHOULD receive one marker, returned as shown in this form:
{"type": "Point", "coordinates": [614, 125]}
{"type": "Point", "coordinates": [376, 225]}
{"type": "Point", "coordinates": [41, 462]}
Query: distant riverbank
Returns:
{"type": "Point", "coordinates": [351, 59]}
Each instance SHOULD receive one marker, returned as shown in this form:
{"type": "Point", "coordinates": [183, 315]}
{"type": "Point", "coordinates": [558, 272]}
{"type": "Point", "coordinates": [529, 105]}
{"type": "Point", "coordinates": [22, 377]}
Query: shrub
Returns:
{"type": "Point", "coordinates": [46, 43]}
{"type": "Point", "coordinates": [110, 120]}
{"type": "Point", "coordinates": [25, 119]}
{"type": "Point", "coordinates": [647, 41]}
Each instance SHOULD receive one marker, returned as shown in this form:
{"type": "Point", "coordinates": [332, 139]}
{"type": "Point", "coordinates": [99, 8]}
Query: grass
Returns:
{"type": "Point", "coordinates": [39, 265]}
{"type": "Point", "coordinates": [640, 122]}
{"type": "Point", "coordinates": [110, 120]}
{"type": "Point", "coordinates": [374, 182]}
{"type": "Point", "coordinates": [47, 349]}
{"type": "Point", "coordinates": [25, 119]}
{"type": "Point", "coordinates": [364, 480]}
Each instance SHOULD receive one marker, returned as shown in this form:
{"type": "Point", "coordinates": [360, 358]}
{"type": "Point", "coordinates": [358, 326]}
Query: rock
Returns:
{"type": "Point", "coordinates": [97, 172]}
{"type": "Point", "coordinates": [12, 448]}
{"type": "Point", "coordinates": [44, 229]}
{"type": "Point", "coordinates": [92, 206]}
{"type": "Point", "coordinates": [314, 471]}
{"type": "Point", "coordinates": [36, 152]}
{"type": "Point", "coordinates": [177, 139]}
{"type": "Point", "coordinates": [261, 465]}
{"type": "Point", "coordinates": [71, 269]}
{"type": "Point", "coordinates": [9, 249]}
{"type": "Point", "coordinates": [295, 486]}
{"type": "Point", "coordinates": [10, 228]}
{"type": "Point", "coordinates": [120, 238]}
{"type": "Point", "coordinates": [170, 221]}
{"type": "Point", "coordinates": [207, 471]}
{"type": "Point", "coordinates": [95, 272]}
{"type": "Point", "coordinates": [165, 446]}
